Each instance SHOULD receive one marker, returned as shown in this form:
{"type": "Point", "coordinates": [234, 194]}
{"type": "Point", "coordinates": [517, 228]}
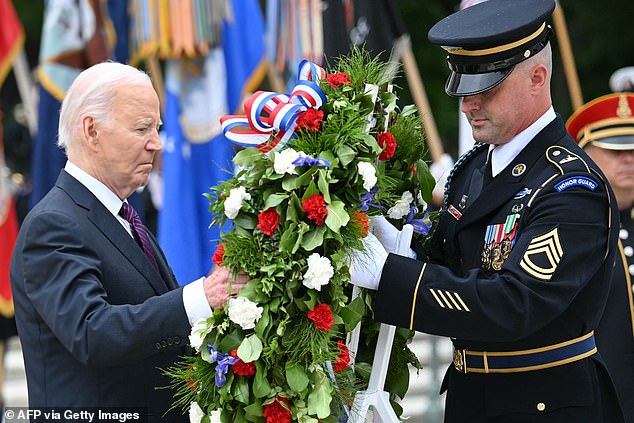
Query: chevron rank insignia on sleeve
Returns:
{"type": "Point", "coordinates": [542, 256]}
{"type": "Point", "coordinates": [449, 299]}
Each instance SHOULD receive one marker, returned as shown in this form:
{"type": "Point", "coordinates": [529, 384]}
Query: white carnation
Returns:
{"type": "Point", "coordinates": [319, 272]}
{"type": "Point", "coordinates": [199, 331]}
{"type": "Point", "coordinates": [368, 173]}
{"type": "Point", "coordinates": [233, 203]}
{"type": "Point", "coordinates": [244, 312]}
{"type": "Point", "coordinates": [196, 413]}
{"type": "Point", "coordinates": [214, 417]}
{"type": "Point", "coordinates": [284, 161]}
{"type": "Point", "coordinates": [401, 208]}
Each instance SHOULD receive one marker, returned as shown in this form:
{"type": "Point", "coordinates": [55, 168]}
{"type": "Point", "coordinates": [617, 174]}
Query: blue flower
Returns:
{"type": "Point", "coordinates": [421, 226]}
{"type": "Point", "coordinates": [367, 200]}
{"type": "Point", "coordinates": [224, 361]}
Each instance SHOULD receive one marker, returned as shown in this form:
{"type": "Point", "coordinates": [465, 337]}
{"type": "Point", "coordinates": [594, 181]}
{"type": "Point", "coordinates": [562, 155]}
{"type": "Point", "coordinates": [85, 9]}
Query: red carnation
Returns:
{"type": "Point", "coordinates": [342, 361]}
{"type": "Point", "coordinates": [315, 206]}
{"type": "Point", "coordinates": [359, 221]}
{"type": "Point", "coordinates": [268, 221]}
{"type": "Point", "coordinates": [219, 255]}
{"type": "Point", "coordinates": [310, 119]}
{"type": "Point", "coordinates": [338, 79]}
{"type": "Point", "coordinates": [279, 411]}
{"type": "Point", "coordinates": [386, 141]}
{"type": "Point", "coordinates": [322, 317]}
{"type": "Point", "coordinates": [241, 368]}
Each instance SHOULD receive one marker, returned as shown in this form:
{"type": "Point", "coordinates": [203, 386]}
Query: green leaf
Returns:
{"type": "Point", "coordinates": [250, 348]}
{"type": "Point", "coordinates": [319, 399]}
{"type": "Point", "coordinates": [247, 157]}
{"type": "Point", "coordinates": [255, 409]}
{"type": "Point", "coordinates": [289, 238]}
{"type": "Point", "coordinates": [274, 200]}
{"type": "Point", "coordinates": [388, 99]}
{"type": "Point", "coordinates": [346, 154]}
{"type": "Point", "coordinates": [230, 341]}
{"type": "Point", "coordinates": [322, 183]}
{"type": "Point", "coordinates": [301, 230]}
{"type": "Point", "coordinates": [262, 325]}
{"type": "Point", "coordinates": [408, 110]}
{"type": "Point", "coordinates": [290, 183]}
{"type": "Point", "coordinates": [240, 389]}
{"type": "Point", "coordinates": [353, 313]}
{"type": "Point", "coordinates": [296, 377]}
{"type": "Point", "coordinates": [246, 221]}
{"type": "Point", "coordinates": [425, 180]}
{"type": "Point", "coordinates": [337, 216]}
{"type": "Point", "coordinates": [311, 190]}
{"type": "Point", "coordinates": [314, 238]}
{"type": "Point", "coordinates": [261, 387]}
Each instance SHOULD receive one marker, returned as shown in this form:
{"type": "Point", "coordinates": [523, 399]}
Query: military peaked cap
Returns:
{"type": "Point", "coordinates": [606, 122]}
{"type": "Point", "coordinates": [485, 41]}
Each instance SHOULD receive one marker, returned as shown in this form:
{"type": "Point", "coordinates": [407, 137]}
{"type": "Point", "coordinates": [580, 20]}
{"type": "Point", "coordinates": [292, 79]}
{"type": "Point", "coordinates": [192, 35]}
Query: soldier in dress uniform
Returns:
{"type": "Point", "coordinates": [604, 128]}
{"type": "Point", "coordinates": [519, 266]}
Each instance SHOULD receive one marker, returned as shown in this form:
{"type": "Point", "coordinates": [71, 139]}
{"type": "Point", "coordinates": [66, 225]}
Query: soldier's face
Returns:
{"type": "Point", "coordinates": [618, 166]}
{"type": "Point", "coordinates": [497, 115]}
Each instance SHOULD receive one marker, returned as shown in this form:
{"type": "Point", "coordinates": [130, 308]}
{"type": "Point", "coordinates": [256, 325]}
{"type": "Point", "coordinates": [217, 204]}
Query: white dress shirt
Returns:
{"type": "Point", "coordinates": [504, 154]}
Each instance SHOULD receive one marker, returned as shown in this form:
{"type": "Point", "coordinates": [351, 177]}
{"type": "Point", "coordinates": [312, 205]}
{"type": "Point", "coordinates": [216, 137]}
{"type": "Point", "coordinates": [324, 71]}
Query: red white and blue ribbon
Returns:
{"type": "Point", "coordinates": [268, 113]}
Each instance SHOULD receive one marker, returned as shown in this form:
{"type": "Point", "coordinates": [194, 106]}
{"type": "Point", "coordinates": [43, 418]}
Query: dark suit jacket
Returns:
{"type": "Point", "coordinates": [96, 320]}
{"type": "Point", "coordinates": [552, 202]}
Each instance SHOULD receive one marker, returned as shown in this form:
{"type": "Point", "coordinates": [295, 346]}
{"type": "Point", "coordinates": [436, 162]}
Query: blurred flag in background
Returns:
{"type": "Point", "coordinates": [75, 35]}
{"type": "Point", "coordinates": [11, 41]}
{"type": "Point", "coordinates": [196, 156]}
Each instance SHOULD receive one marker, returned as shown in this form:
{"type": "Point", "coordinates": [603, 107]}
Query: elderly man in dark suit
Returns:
{"type": "Point", "coordinates": [98, 310]}
{"type": "Point", "coordinates": [519, 266]}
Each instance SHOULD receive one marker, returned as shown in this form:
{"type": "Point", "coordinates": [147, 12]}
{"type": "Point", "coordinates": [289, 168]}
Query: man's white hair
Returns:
{"type": "Point", "coordinates": [91, 94]}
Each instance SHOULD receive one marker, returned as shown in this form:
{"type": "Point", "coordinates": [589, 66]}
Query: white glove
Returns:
{"type": "Point", "coordinates": [366, 265]}
{"type": "Point", "coordinates": [393, 240]}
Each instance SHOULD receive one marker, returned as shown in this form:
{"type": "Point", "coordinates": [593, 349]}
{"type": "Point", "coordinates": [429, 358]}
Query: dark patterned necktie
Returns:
{"type": "Point", "coordinates": [138, 231]}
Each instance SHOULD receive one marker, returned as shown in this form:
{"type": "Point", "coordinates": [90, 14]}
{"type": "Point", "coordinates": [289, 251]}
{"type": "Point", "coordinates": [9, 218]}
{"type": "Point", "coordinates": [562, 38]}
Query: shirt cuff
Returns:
{"type": "Point", "coordinates": [195, 301]}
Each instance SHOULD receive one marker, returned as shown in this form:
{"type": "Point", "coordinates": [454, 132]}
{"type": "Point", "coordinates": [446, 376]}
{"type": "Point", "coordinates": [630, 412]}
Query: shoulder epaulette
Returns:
{"type": "Point", "coordinates": [565, 160]}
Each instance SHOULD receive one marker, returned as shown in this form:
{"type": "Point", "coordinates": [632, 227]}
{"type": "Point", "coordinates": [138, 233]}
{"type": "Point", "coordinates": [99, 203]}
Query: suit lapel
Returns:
{"type": "Point", "coordinates": [112, 230]}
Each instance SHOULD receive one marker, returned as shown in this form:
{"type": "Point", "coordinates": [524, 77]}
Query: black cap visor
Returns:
{"type": "Point", "coordinates": [463, 84]}
{"type": "Point", "coordinates": [623, 142]}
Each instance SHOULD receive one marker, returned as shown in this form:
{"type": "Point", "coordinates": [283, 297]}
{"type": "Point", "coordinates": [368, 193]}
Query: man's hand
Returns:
{"type": "Point", "coordinates": [393, 240]}
{"type": "Point", "coordinates": [220, 286]}
{"type": "Point", "coordinates": [366, 266]}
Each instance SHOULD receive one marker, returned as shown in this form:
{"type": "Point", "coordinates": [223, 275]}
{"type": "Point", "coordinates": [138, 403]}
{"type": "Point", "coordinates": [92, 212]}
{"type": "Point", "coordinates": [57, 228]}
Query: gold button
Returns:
{"type": "Point", "coordinates": [541, 406]}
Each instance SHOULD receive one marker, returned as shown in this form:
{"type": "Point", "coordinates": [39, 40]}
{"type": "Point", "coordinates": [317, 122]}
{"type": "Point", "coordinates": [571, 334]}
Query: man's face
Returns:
{"type": "Point", "coordinates": [617, 165]}
{"type": "Point", "coordinates": [128, 142]}
{"type": "Point", "coordinates": [497, 115]}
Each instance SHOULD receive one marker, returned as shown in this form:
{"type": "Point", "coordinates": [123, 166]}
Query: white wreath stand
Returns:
{"type": "Point", "coordinates": [375, 396]}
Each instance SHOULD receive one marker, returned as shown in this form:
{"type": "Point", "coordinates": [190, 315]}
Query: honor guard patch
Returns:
{"type": "Point", "coordinates": [576, 181]}
{"type": "Point", "coordinates": [543, 255]}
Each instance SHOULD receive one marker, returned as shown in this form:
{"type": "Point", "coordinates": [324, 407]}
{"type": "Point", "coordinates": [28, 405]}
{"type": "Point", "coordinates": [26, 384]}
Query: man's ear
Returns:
{"type": "Point", "coordinates": [89, 131]}
{"type": "Point", "coordinates": [539, 77]}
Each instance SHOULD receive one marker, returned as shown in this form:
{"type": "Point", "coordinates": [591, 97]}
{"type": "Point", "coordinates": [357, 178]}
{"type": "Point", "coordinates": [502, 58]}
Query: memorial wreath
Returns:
{"type": "Point", "coordinates": [316, 166]}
